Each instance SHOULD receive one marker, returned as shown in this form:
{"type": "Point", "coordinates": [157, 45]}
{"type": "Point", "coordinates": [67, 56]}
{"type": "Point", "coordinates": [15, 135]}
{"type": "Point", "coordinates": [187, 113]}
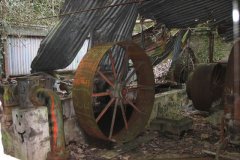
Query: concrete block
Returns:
{"type": "Point", "coordinates": [169, 105]}
{"type": "Point", "coordinates": [31, 129]}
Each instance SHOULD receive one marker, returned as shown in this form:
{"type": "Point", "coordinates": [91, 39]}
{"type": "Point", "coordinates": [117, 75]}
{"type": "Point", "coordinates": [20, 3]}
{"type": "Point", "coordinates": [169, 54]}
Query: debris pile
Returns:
{"type": "Point", "coordinates": [160, 71]}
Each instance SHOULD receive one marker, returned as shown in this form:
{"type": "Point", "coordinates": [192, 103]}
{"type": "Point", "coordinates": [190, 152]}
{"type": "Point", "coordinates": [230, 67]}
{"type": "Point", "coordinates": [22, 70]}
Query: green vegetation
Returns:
{"type": "Point", "coordinates": [200, 43]}
{"type": "Point", "coordinates": [30, 11]}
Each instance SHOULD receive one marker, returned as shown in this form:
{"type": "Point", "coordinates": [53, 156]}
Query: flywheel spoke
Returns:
{"type": "Point", "coordinates": [124, 115]}
{"type": "Point", "coordinates": [118, 77]}
{"type": "Point", "coordinates": [132, 89]}
{"type": "Point", "coordinates": [105, 78]}
{"type": "Point", "coordinates": [113, 118]}
{"type": "Point", "coordinates": [135, 107]}
{"type": "Point", "coordinates": [113, 65]}
{"type": "Point", "coordinates": [141, 87]}
{"type": "Point", "coordinates": [100, 94]}
{"type": "Point", "coordinates": [105, 109]}
{"type": "Point", "coordinates": [124, 67]}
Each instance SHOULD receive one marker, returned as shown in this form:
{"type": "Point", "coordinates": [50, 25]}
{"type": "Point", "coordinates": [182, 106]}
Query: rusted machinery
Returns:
{"type": "Point", "coordinates": [31, 92]}
{"type": "Point", "coordinates": [205, 85]}
{"type": "Point", "coordinates": [184, 65]}
{"type": "Point", "coordinates": [113, 98]}
{"type": "Point", "coordinates": [39, 96]}
{"type": "Point", "coordinates": [231, 95]}
{"type": "Point", "coordinates": [212, 81]}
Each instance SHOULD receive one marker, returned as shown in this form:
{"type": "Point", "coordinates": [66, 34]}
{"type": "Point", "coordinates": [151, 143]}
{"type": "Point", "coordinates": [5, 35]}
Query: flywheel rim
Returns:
{"type": "Point", "coordinates": [84, 97]}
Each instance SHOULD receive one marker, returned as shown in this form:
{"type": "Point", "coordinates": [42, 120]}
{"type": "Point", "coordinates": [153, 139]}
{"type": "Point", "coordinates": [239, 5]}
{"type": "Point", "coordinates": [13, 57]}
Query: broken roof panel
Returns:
{"type": "Point", "coordinates": [186, 13]}
{"type": "Point", "coordinates": [63, 42]}
{"type": "Point", "coordinates": [61, 45]}
{"type": "Point", "coordinates": [116, 23]}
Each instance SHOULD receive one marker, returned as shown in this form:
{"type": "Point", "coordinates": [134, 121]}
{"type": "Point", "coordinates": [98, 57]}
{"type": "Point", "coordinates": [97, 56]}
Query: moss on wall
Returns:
{"type": "Point", "coordinates": [7, 140]}
{"type": "Point", "coordinates": [170, 105]}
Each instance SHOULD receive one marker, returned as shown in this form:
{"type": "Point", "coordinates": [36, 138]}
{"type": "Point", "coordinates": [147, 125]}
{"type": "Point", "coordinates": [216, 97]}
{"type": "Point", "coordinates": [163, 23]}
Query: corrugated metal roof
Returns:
{"type": "Point", "coordinates": [73, 66]}
{"type": "Point", "coordinates": [186, 13]}
{"type": "Point", "coordinates": [189, 13]}
{"type": "Point", "coordinates": [60, 47]}
{"type": "Point", "coordinates": [63, 42]}
{"type": "Point", "coordinates": [22, 50]}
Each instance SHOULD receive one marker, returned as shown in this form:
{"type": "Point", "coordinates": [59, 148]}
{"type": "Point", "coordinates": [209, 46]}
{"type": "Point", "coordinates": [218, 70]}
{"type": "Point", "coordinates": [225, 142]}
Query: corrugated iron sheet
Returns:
{"type": "Point", "coordinates": [189, 13]}
{"type": "Point", "coordinates": [186, 13]}
{"type": "Point", "coordinates": [22, 50]}
{"type": "Point", "coordinates": [116, 25]}
{"type": "Point", "coordinates": [63, 42]}
{"type": "Point", "coordinates": [73, 66]}
{"type": "Point", "coordinates": [60, 47]}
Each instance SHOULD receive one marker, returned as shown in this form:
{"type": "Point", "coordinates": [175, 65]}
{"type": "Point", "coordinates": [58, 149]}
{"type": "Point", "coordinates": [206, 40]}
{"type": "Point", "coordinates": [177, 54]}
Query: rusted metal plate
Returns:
{"type": "Point", "coordinates": [205, 85]}
{"type": "Point", "coordinates": [124, 106]}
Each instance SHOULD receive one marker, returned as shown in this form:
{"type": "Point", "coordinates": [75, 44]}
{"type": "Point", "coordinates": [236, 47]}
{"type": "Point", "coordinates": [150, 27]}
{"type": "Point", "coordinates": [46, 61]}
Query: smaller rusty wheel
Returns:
{"type": "Point", "coordinates": [113, 91]}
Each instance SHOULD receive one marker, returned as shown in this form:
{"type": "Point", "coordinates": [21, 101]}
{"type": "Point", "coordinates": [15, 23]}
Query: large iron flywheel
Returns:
{"type": "Point", "coordinates": [113, 91]}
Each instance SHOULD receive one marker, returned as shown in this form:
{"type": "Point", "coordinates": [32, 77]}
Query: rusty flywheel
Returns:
{"type": "Point", "coordinates": [113, 91]}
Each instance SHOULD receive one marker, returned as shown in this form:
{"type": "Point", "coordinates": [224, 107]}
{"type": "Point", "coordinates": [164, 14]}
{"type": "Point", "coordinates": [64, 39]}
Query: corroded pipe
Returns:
{"type": "Point", "coordinates": [42, 96]}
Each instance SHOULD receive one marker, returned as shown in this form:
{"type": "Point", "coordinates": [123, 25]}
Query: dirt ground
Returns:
{"type": "Point", "coordinates": [192, 145]}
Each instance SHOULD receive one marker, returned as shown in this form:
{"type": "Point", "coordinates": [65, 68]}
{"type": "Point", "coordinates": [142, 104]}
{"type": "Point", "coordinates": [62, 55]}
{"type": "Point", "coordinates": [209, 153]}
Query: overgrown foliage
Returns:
{"type": "Point", "coordinates": [31, 11]}
{"type": "Point", "coordinates": [200, 44]}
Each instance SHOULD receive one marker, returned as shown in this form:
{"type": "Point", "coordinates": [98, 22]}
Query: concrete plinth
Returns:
{"type": "Point", "coordinates": [31, 131]}
{"type": "Point", "coordinates": [169, 105]}
{"type": "Point", "coordinates": [167, 114]}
